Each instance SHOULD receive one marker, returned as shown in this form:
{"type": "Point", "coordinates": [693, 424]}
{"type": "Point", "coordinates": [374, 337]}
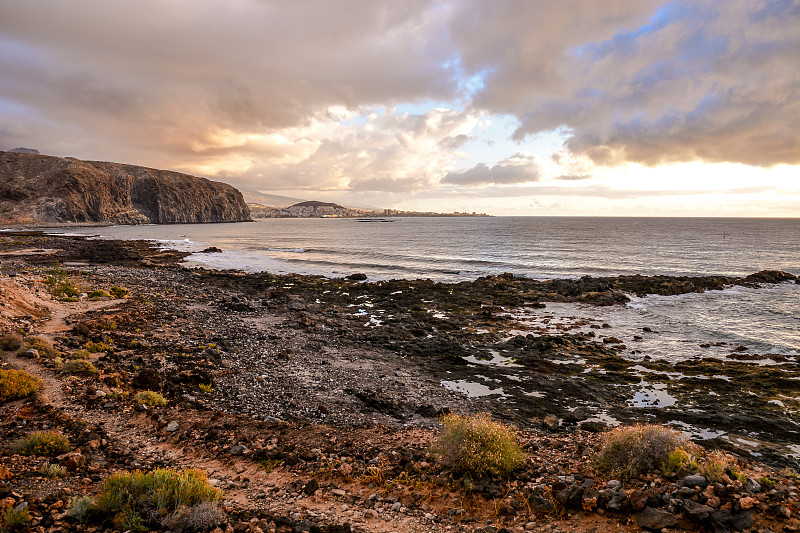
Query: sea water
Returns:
{"type": "Point", "coordinates": [451, 249]}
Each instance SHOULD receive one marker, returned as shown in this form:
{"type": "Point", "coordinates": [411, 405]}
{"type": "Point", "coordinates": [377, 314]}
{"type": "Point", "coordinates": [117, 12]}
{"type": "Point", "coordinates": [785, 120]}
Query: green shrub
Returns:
{"type": "Point", "coordinates": [16, 518]}
{"type": "Point", "coordinates": [59, 284]}
{"type": "Point", "coordinates": [679, 461]}
{"type": "Point", "coordinates": [137, 498]}
{"type": "Point", "coordinates": [10, 342]}
{"type": "Point", "coordinates": [81, 508]}
{"type": "Point", "coordinates": [630, 451]}
{"type": "Point", "coordinates": [78, 354]}
{"type": "Point", "coordinates": [98, 294]}
{"type": "Point", "coordinates": [51, 470]}
{"type": "Point", "coordinates": [79, 367]}
{"type": "Point", "coordinates": [118, 292]}
{"type": "Point", "coordinates": [17, 384]}
{"type": "Point", "coordinates": [205, 387]}
{"type": "Point", "coordinates": [204, 516]}
{"type": "Point", "coordinates": [151, 398]}
{"type": "Point", "coordinates": [97, 347]}
{"type": "Point", "coordinates": [767, 482]}
{"type": "Point", "coordinates": [41, 443]}
{"type": "Point", "coordinates": [714, 466]}
{"type": "Point", "coordinates": [477, 446]}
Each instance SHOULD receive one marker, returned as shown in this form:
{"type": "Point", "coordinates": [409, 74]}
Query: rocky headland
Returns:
{"type": "Point", "coordinates": [312, 402]}
{"type": "Point", "coordinates": [55, 190]}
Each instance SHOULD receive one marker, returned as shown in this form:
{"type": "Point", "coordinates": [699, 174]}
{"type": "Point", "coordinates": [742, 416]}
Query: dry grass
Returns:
{"type": "Point", "coordinates": [477, 446]}
{"type": "Point", "coordinates": [151, 398]}
{"type": "Point", "coordinates": [79, 367]}
{"type": "Point", "coordinates": [630, 451]}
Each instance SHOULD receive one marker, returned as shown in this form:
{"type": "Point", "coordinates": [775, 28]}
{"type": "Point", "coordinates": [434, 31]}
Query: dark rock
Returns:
{"type": "Point", "coordinates": [359, 276]}
{"type": "Point", "coordinates": [311, 487]}
{"type": "Point", "coordinates": [752, 485]}
{"type": "Point", "coordinates": [237, 450]}
{"type": "Point", "coordinates": [695, 480]}
{"type": "Point", "coordinates": [211, 250]}
{"type": "Point", "coordinates": [655, 519]}
{"type": "Point", "coordinates": [696, 512]}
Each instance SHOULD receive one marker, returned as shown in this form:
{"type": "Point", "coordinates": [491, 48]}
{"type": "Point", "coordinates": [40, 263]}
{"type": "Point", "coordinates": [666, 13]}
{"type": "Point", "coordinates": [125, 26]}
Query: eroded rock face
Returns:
{"type": "Point", "coordinates": [38, 188]}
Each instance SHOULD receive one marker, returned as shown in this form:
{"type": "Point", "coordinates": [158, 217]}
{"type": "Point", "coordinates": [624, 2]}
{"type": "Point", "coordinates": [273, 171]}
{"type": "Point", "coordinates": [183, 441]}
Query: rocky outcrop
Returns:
{"type": "Point", "coordinates": [36, 188]}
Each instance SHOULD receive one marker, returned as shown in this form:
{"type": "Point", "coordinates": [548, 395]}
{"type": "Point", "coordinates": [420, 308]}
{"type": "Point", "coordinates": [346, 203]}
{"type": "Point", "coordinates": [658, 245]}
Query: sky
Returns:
{"type": "Point", "coordinates": [508, 107]}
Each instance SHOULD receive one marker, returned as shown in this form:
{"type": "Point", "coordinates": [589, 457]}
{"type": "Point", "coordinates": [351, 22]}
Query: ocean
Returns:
{"type": "Point", "coordinates": [764, 321]}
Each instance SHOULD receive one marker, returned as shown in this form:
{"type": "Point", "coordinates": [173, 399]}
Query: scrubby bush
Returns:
{"type": "Point", "coordinates": [51, 470]}
{"type": "Point", "coordinates": [78, 354]}
{"type": "Point", "coordinates": [97, 347]}
{"type": "Point", "coordinates": [135, 499]}
{"type": "Point", "coordinates": [477, 446]}
{"type": "Point", "coordinates": [679, 461]}
{"type": "Point", "coordinates": [151, 398]}
{"type": "Point", "coordinates": [81, 508]}
{"type": "Point", "coordinates": [79, 367]}
{"type": "Point", "coordinates": [43, 346]}
{"type": "Point", "coordinates": [15, 518]}
{"type": "Point", "coordinates": [630, 451]}
{"type": "Point", "coordinates": [42, 443]}
{"type": "Point", "coordinates": [17, 384]}
{"type": "Point", "coordinates": [98, 294]}
{"type": "Point", "coordinates": [715, 465]}
{"type": "Point", "coordinates": [118, 292]}
{"type": "Point", "coordinates": [59, 284]}
{"type": "Point", "coordinates": [10, 342]}
{"type": "Point", "coordinates": [204, 516]}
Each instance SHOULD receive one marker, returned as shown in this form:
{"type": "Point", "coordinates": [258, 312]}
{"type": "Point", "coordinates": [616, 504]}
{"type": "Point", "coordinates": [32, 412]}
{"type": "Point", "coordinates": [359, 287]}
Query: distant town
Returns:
{"type": "Point", "coordinates": [314, 209]}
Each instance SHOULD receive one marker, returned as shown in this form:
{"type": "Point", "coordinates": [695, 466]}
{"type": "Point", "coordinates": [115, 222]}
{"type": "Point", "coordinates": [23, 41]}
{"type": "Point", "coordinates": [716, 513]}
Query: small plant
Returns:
{"type": "Point", "coordinates": [714, 466]}
{"type": "Point", "coordinates": [59, 284]}
{"type": "Point", "coordinates": [767, 482]}
{"type": "Point", "coordinates": [268, 465]}
{"type": "Point", "coordinates": [42, 443]}
{"type": "Point", "coordinates": [630, 451]}
{"type": "Point", "coordinates": [151, 398]}
{"type": "Point", "coordinates": [118, 292]}
{"type": "Point", "coordinates": [98, 294]}
{"type": "Point", "coordinates": [79, 354]}
{"type": "Point", "coordinates": [16, 517]}
{"type": "Point", "coordinates": [137, 498]}
{"type": "Point", "coordinates": [10, 342]}
{"type": "Point", "coordinates": [41, 345]}
{"type": "Point", "coordinates": [79, 367]}
{"type": "Point", "coordinates": [97, 347]}
{"type": "Point", "coordinates": [16, 384]}
{"type": "Point", "coordinates": [478, 445]}
{"type": "Point", "coordinates": [204, 516]}
{"type": "Point", "coordinates": [679, 462]}
{"type": "Point", "coordinates": [52, 470]}
{"type": "Point", "coordinates": [205, 387]}
{"type": "Point", "coordinates": [80, 508]}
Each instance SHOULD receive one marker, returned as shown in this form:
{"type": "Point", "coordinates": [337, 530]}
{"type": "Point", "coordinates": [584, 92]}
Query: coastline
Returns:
{"type": "Point", "coordinates": [296, 367]}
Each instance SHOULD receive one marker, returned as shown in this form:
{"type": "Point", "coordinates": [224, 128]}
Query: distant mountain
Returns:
{"type": "Point", "coordinates": [40, 188]}
{"type": "Point", "coordinates": [25, 151]}
{"type": "Point", "coordinates": [314, 203]}
{"type": "Point", "coordinates": [268, 200]}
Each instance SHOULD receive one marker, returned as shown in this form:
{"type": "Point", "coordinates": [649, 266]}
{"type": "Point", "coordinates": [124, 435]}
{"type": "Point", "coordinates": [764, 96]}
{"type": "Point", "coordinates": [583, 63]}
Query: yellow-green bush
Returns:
{"type": "Point", "coordinates": [477, 445]}
{"type": "Point", "coordinates": [79, 367]}
{"type": "Point", "coordinates": [42, 443]}
{"type": "Point", "coordinates": [52, 470]}
{"type": "Point", "coordinates": [43, 346]}
{"type": "Point", "coordinates": [98, 294]}
{"type": "Point", "coordinates": [135, 499]}
{"type": "Point", "coordinates": [118, 292]}
{"type": "Point", "coordinates": [151, 398]}
{"type": "Point", "coordinates": [17, 384]}
{"type": "Point", "coordinates": [679, 461]}
{"type": "Point", "coordinates": [630, 451]}
{"type": "Point", "coordinates": [60, 285]}
{"type": "Point", "coordinates": [97, 347]}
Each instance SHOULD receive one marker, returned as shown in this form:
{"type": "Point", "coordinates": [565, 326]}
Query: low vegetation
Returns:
{"type": "Point", "coordinates": [15, 384]}
{"type": "Point", "coordinates": [79, 367]}
{"type": "Point", "coordinates": [630, 451]}
{"type": "Point", "coordinates": [477, 446]}
{"type": "Point", "coordinates": [10, 342]}
{"type": "Point", "coordinates": [59, 284]}
{"type": "Point", "coordinates": [118, 292]}
{"type": "Point", "coordinates": [150, 398]}
{"type": "Point", "coordinates": [15, 518]}
{"type": "Point", "coordinates": [41, 443]}
{"type": "Point", "coordinates": [180, 500]}
{"type": "Point", "coordinates": [52, 470]}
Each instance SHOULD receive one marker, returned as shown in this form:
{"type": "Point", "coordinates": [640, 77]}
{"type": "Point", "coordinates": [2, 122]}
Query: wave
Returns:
{"type": "Point", "coordinates": [288, 250]}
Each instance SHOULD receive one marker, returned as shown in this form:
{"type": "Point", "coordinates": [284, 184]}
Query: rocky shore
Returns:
{"type": "Point", "coordinates": [312, 402]}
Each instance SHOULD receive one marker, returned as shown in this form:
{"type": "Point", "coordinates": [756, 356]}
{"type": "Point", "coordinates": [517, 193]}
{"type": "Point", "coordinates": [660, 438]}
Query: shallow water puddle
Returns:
{"type": "Point", "coordinates": [496, 360]}
{"type": "Point", "coordinates": [471, 389]}
{"type": "Point", "coordinates": [652, 395]}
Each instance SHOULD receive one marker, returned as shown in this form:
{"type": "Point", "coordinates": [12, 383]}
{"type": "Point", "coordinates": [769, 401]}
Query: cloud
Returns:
{"type": "Point", "coordinates": [638, 82]}
{"type": "Point", "coordinates": [519, 168]}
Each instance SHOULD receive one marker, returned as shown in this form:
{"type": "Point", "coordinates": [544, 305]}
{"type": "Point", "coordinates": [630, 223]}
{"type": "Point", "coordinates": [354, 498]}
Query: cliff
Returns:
{"type": "Point", "coordinates": [37, 188]}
